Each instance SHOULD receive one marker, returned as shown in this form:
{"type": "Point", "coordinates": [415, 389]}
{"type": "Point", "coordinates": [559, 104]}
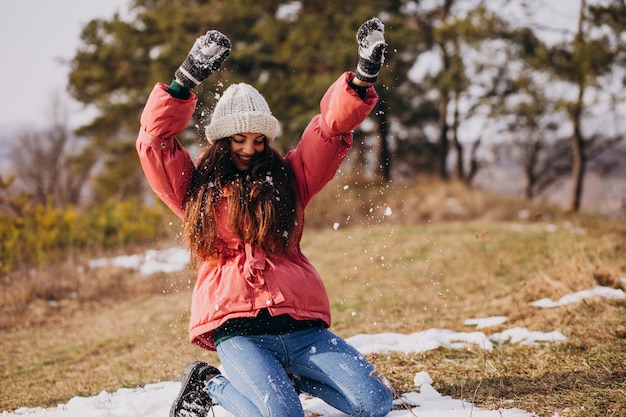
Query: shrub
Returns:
{"type": "Point", "coordinates": [32, 235]}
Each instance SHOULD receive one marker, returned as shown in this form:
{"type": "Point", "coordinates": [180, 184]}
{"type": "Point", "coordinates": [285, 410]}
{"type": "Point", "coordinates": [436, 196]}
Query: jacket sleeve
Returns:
{"type": "Point", "coordinates": [166, 164]}
{"type": "Point", "coordinates": [328, 137]}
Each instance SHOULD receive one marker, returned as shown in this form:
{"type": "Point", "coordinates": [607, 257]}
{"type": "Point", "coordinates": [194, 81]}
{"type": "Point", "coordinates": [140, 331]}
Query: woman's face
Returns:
{"type": "Point", "coordinates": [243, 146]}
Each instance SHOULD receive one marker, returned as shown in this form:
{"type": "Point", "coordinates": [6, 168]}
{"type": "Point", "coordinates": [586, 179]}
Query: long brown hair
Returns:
{"type": "Point", "coordinates": [262, 206]}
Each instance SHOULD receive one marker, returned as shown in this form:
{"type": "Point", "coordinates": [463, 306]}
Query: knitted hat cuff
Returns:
{"type": "Point", "coordinates": [252, 122]}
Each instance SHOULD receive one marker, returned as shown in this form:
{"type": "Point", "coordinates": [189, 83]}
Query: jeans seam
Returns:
{"type": "Point", "coordinates": [286, 352]}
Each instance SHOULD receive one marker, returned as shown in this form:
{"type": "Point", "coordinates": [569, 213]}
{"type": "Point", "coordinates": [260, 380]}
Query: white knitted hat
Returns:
{"type": "Point", "coordinates": [241, 109]}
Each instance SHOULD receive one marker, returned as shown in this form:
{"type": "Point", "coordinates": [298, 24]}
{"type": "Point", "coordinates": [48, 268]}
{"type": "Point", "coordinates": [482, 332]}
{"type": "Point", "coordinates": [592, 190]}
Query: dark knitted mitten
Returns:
{"type": "Point", "coordinates": [371, 39]}
{"type": "Point", "coordinates": [206, 55]}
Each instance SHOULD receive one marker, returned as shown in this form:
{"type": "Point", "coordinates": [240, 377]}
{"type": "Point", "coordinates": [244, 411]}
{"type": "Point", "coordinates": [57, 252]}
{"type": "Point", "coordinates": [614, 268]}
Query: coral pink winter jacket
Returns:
{"type": "Point", "coordinates": [243, 281]}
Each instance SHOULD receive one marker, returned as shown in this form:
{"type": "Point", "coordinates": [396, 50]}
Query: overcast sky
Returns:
{"type": "Point", "coordinates": [35, 36]}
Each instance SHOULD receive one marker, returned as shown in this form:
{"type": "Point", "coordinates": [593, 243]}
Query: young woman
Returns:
{"type": "Point", "coordinates": [258, 300]}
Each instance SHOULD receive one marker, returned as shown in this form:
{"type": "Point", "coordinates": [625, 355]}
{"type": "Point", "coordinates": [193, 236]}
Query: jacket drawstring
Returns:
{"type": "Point", "coordinates": [253, 272]}
{"type": "Point", "coordinates": [254, 266]}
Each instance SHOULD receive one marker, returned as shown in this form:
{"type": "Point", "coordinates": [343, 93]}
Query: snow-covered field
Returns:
{"type": "Point", "coordinates": [154, 400]}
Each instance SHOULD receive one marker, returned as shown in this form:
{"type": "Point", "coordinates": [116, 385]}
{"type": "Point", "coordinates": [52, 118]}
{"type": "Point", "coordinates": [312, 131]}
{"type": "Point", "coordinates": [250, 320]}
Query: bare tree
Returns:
{"type": "Point", "coordinates": [533, 123]}
{"type": "Point", "coordinates": [49, 164]}
{"type": "Point", "coordinates": [585, 62]}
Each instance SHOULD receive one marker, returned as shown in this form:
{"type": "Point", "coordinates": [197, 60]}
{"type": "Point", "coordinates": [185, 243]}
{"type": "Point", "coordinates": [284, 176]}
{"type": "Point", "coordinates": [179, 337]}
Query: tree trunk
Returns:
{"type": "Point", "coordinates": [578, 167]}
{"type": "Point", "coordinates": [444, 143]}
{"type": "Point", "coordinates": [473, 162]}
{"type": "Point", "coordinates": [531, 165]}
{"type": "Point", "coordinates": [384, 156]}
{"type": "Point", "coordinates": [578, 142]}
{"type": "Point", "coordinates": [460, 171]}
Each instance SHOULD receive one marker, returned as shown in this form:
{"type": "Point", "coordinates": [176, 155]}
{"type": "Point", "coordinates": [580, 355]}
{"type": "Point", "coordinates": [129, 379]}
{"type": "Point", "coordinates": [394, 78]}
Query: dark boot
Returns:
{"type": "Point", "coordinates": [193, 400]}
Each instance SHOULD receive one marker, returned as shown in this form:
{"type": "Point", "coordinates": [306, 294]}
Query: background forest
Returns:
{"type": "Point", "coordinates": [468, 87]}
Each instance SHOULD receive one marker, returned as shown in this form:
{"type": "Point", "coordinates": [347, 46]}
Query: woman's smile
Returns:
{"type": "Point", "coordinates": [243, 147]}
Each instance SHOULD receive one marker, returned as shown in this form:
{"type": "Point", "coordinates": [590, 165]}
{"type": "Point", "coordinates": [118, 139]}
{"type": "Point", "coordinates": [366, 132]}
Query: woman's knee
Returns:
{"type": "Point", "coordinates": [377, 400]}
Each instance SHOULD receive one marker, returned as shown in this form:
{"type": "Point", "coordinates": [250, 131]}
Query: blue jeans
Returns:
{"type": "Point", "coordinates": [257, 383]}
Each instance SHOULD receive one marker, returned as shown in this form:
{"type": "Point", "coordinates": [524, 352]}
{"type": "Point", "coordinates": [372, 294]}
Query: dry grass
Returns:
{"type": "Point", "coordinates": [443, 255]}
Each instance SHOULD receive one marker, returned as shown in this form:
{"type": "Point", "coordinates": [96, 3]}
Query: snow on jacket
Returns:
{"type": "Point", "coordinates": [243, 281]}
